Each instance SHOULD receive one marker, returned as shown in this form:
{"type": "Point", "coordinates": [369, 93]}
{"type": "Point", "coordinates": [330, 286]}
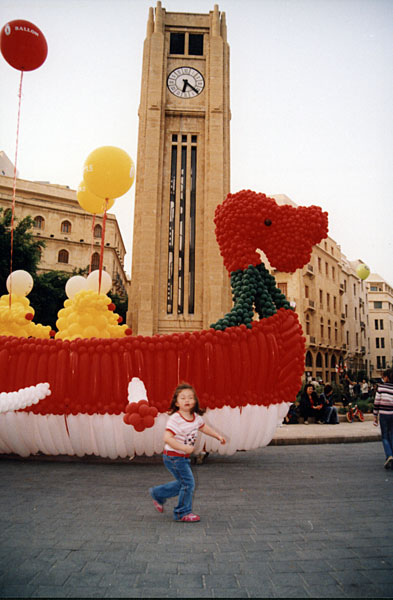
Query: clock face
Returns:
{"type": "Point", "coordinates": [185, 82]}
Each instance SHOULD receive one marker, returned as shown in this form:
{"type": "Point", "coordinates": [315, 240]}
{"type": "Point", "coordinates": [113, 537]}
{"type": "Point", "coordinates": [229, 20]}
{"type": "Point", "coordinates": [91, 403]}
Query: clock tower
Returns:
{"type": "Point", "coordinates": [178, 281]}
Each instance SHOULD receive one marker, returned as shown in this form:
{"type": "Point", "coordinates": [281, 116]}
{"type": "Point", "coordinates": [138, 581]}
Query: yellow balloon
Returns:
{"type": "Point", "coordinates": [91, 203]}
{"type": "Point", "coordinates": [362, 271]}
{"type": "Point", "coordinates": [109, 172]}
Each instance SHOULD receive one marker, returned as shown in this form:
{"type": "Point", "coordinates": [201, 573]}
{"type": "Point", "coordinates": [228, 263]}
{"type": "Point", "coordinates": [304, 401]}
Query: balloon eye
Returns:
{"type": "Point", "coordinates": [268, 222]}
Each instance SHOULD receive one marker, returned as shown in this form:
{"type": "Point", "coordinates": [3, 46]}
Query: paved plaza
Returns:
{"type": "Point", "coordinates": [311, 520]}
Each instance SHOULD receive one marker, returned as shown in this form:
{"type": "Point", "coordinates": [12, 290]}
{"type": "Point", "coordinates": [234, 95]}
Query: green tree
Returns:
{"type": "Point", "coordinates": [48, 295]}
{"type": "Point", "coordinates": [26, 251]}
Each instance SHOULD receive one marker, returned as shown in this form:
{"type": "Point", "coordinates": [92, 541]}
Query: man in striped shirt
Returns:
{"type": "Point", "coordinates": [383, 408]}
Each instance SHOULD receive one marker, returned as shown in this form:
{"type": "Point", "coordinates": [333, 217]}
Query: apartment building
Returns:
{"type": "Point", "coordinates": [380, 306]}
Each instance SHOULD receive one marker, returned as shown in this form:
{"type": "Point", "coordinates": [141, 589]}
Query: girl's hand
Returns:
{"type": "Point", "coordinates": [221, 440]}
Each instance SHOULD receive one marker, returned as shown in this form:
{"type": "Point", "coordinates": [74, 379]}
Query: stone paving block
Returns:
{"type": "Point", "coordinates": [363, 590]}
{"type": "Point", "coordinates": [19, 590]}
{"type": "Point", "coordinates": [289, 591]}
{"type": "Point", "coordinates": [187, 581]}
{"type": "Point", "coordinates": [50, 591]}
{"type": "Point", "coordinates": [230, 593]}
{"type": "Point", "coordinates": [152, 580]}
{"type": "Point", "coordinates": [195, 593]}
{"type": "Point", "coordinates": [326, 591]}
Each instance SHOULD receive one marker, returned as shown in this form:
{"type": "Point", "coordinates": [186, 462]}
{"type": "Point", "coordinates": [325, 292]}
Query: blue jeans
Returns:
{"type": "Point", "coordinates": [386, 423]}
{"type": "Point", "coordinates": [183, 486]}
{"type": "Point", "coordinates": [329, 411]}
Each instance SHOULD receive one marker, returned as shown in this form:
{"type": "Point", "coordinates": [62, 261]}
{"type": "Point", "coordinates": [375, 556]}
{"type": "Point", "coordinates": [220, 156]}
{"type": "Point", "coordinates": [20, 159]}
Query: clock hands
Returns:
{"type": "Point", "coordinates": [186, 83]}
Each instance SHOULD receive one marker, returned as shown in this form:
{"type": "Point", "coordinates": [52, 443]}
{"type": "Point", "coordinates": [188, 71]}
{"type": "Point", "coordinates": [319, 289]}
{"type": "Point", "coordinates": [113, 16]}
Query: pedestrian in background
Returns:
{"type": "Point", "coordinates": [383, 409]}
{"type": "Point", "coordinates": [180, 436]}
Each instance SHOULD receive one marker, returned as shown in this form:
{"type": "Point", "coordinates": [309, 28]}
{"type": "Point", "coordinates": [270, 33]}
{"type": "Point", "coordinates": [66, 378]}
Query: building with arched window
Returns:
{"type": "Point", "coordinates": [66, 228]}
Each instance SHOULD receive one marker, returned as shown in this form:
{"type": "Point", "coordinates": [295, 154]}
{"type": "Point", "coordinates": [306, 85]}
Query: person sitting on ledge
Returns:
{"type": "Point", "coordinates": [330, 411]}
{"type": "Point", "coordinates": [310, 405]}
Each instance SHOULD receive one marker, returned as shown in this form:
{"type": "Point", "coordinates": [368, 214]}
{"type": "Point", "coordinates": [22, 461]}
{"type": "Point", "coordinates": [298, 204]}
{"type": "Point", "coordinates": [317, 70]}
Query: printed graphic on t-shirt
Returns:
{"type": "Point", "coordinates": [191, 438]}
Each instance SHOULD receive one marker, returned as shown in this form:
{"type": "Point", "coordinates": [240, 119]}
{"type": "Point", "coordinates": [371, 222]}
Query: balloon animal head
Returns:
{"type": "Point", "coordinates": [248, 221]}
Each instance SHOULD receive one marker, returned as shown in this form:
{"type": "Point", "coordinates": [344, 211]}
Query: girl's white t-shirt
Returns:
{"type": "Point", "coordinates": [185, 431]}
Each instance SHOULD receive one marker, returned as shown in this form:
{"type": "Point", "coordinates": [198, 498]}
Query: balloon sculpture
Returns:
{"type": "Point", "coordinates": [109, 396]}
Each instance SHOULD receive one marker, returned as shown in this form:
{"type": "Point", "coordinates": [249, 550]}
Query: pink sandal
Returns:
{"type": "Point", "coordinates": [157, 505]}
{"type": "Point", "coordinates": [190, 518]}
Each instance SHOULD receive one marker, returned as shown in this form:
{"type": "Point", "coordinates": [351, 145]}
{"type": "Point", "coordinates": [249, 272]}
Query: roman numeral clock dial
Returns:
{"type": "Point", "coordinates": [185, 82]}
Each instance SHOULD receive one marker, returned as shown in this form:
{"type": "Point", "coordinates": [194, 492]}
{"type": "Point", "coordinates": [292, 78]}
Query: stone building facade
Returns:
{"type": "Point", "coordinates": [380, 306]}
{"type": "Point", "coordinates": [179, 282]}
{"type": "Point", "coordinates": [70, 238]}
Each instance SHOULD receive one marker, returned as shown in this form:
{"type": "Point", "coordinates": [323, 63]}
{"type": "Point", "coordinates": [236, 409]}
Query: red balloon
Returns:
{"type": "Point", "coordinates": [144, 410]}
{"type": "Point", "coordinates": [135, 420]}
{"type": "Point", "coordinates": [23, 45]}
{"type": "Point", "coordinates": [148, 421]}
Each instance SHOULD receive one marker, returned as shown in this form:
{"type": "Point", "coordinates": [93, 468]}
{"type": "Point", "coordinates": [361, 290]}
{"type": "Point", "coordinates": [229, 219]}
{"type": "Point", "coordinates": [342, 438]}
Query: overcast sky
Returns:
{"type": "Point", "coordinates": [311, 102]}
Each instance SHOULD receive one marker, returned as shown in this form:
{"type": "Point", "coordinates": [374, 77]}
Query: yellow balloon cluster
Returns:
{"type": "Point", "coordinates": [86, 315]}
{"type": "Point", "coordinates": [16, 320]}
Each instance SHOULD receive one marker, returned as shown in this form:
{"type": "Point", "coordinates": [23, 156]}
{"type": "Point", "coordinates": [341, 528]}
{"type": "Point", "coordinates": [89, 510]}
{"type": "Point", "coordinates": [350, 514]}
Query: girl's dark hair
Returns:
{"type": "Point", "coordinates": [185, 386]}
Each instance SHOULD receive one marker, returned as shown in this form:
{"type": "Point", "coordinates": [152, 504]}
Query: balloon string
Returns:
{"type": "Point", "coordinates": [102, 246]}
{"type": "Point", "coordinates": [14, 183]}
{"type": "Point", "coordinates": [92, 242]}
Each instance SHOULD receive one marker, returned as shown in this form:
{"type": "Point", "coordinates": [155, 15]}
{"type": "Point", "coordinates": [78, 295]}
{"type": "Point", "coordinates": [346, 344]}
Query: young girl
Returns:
{"type": "Point", "coordinates": [180, 436]}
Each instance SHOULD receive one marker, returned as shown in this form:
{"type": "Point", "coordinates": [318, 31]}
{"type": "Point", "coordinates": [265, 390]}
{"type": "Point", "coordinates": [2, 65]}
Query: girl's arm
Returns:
{"type": "Point", "coordinates": [169, 439]}
{"type": "Point", "coordinates": [209, 431]}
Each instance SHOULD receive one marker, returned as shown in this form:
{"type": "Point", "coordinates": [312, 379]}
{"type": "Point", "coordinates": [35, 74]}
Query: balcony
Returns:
{"type": "Point", "coordinates": [309, 304]}
{"type": "Point", "coordinates": [362, 325]}
{"type": "Point", "coordinates": [310, 270]}
{"type": "Point", "coordinates": [343, 317]}
{"type": "Point", "coordinates": [310, 340]}
{"type": "Point", "coordinates": [344, 346]}
{"type": "Point", "coordinates": [342, 290]}
{"type": "Point", "coordinates": [363, 349]}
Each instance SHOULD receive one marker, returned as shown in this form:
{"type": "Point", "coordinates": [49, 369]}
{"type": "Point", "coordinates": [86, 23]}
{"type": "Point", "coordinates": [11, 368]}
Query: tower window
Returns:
{"type": "Point", "coordinates": [98, 231]}
{"type": "Point", "coordinates": [195, 44]}
{"type": "Point", "coordinates": [177, 43]}
{"type": "Point", "coordinates": [193, 139]}
{"type": "Point", "coordinates": [174, 137]}
{"type": "Point", "coordinates": [184, 138]}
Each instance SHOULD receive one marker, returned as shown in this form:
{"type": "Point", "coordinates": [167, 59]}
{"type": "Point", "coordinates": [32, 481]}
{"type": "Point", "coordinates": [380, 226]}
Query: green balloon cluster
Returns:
{"type": "Point", "coordinates": [253, 288]}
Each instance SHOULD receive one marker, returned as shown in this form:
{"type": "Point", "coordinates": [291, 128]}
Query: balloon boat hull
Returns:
{"type": "Point", "coordinates": [245, 378]}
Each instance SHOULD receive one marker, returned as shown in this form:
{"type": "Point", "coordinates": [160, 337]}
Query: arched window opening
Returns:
{"type": "Point", "coordinates": [65, 227]}
{"type": "Point", "coordinates": [333, 362]}
{"type": "Point", "coordinates": [319, 360]}
{"type": "Point", "coordinates": [39, 222]}
{"type": "Point", "coordinates": [63, 256]}
{"type": "Point", "coordinates": [97, 231]}
{"type": "Point", "coordinates": [95, 261]}
{"type": "Point", "coordinates": [309, 359]}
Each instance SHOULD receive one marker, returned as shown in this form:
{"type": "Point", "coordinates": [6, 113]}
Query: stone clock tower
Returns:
{"type": "Point", "coordinates": [178, 279]}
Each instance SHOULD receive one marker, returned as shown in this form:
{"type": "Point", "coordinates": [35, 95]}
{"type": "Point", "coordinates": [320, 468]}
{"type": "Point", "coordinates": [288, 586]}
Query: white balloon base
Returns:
{"type": "Point", "coordinates": [107, 436]}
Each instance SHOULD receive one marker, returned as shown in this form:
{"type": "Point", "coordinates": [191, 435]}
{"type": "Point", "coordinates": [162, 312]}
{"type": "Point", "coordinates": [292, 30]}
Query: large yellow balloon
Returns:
{"type": "Point", "coordinates": [109, 172]}
{"type": "Point", "coordinates": [91, 203]}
